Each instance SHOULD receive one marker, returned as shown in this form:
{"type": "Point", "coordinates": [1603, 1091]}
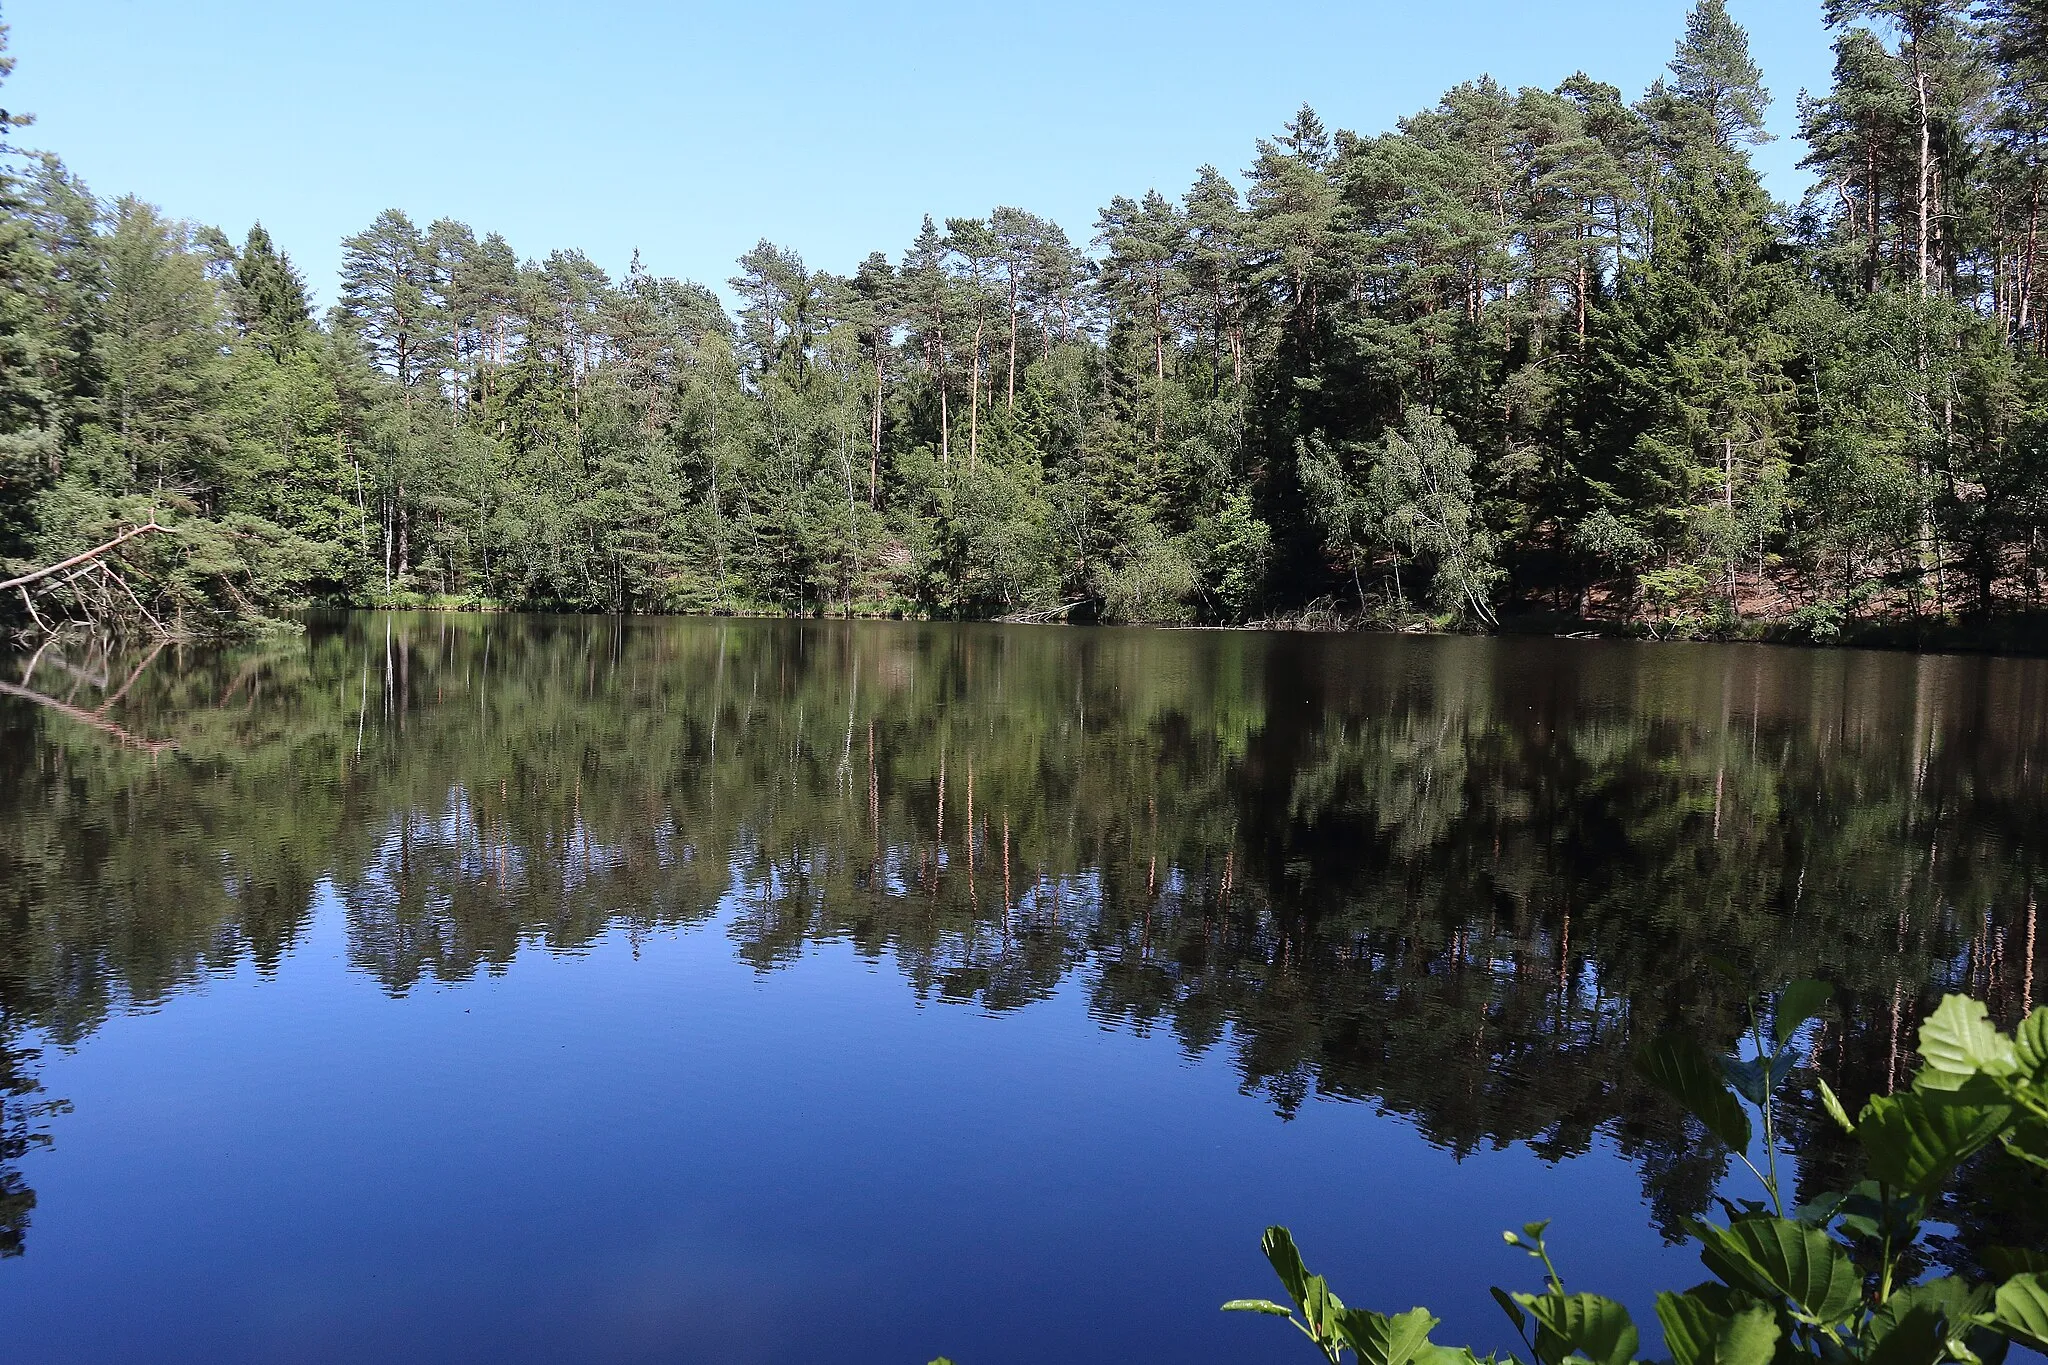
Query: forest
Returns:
{"type": "Point", "coordinates": [1539, 354]}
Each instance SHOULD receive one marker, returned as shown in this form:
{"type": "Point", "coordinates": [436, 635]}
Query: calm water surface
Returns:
{"type": "Point", "coordinates": [504, 989]}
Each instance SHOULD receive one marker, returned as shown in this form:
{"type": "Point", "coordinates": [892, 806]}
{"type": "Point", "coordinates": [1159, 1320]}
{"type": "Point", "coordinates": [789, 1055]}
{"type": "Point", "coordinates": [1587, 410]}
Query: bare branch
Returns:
{"type": "Point", "coordinates": [83, 556]}
{"type": "Point", "coordinates": [100, 723]}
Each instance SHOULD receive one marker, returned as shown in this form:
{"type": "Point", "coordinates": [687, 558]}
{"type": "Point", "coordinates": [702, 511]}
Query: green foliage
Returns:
{"type": "Point", "coordinates": [1832, 1282]}
{"type": "Point", "coordinates": [1323, 1318]}
{"type": "Point", "coordinates": [1530, 349]}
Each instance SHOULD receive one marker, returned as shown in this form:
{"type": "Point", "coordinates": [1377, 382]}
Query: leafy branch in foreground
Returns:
{"type": "Point", "coordinates": [1830, 1280]}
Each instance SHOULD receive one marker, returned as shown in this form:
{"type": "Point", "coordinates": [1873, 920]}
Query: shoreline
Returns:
{"type": "Point", "coordinates": [2018, 637]}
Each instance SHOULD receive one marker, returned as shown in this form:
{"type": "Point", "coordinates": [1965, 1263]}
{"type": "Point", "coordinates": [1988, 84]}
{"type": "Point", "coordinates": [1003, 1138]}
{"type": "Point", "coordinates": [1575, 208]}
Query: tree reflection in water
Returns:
{"type": "Point", "coordinates": [1454, 878]}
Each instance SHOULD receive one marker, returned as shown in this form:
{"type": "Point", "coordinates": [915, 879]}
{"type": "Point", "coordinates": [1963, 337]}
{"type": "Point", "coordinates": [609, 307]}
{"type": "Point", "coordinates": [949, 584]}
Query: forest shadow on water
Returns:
{"type": "Point", "coordinates": [1455, 880]}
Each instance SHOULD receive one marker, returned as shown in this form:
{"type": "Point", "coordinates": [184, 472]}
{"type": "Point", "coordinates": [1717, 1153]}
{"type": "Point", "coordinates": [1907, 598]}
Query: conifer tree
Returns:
{"type": "Point", "coordinates": [32, 417]}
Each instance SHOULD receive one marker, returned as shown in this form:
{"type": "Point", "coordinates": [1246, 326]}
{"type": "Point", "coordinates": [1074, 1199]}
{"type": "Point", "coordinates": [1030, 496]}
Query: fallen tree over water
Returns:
{"type": "Point", "coordinates": [81, 590]}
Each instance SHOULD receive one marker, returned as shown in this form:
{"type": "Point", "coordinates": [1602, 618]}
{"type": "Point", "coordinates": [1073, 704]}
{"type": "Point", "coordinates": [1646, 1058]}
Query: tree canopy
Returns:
{"type": "Point", "coordinates": [1529, 351]}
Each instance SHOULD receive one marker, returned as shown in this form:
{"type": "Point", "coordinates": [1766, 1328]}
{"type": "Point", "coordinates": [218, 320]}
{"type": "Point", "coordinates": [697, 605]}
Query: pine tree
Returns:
{"type": "Point", "coordinates": [1715, 75]}
{"type": "Point", "coordinates": [389, 296]}
{"type": "Point", "coordinates": [268, 300]}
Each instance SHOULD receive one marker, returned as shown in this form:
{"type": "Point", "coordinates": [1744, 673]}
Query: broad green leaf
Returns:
{"type": "Point", "coordinates": [1959, 1042]}
{"type": "Point", "coordinates": [1756, 1078]}
{"type": "Point", "coordinates": [1256, 1306]}
{"type": "Point", "coordinates": [1797, 1003]}
{"type": "Point", "coordinates": [1915, 1334]}
{"type": "Point", "coordinates": [1692, 1329]}
{"type": "Point", "coordinates": [1321, 1309]}
{"type": "Point", "coordinates": [1382, 1340]}
{"type": "Point", "coordinates": [1915, 1141]}
{"type": "Point", "coordinates": [2022, 1311]}
{"type": "Point", "coordinates": [1965, 1308]}
{"type": "Point", "coordinates": [1820, 1210]}
{"type": "Point", "coordinates": [1585, 1325]}
{"type": "Point", "coordinates": [1833, 1104]}
{"type": "Point", "coordinates": [1751, 1338]}
{"type": "Point", "coordinates": [1278, 1244]}
{"type": "Point", "coordinates": [2006, 1262]}
{"type": "Point", "coordinates": [1775, 1258]}
{"type": "Point", "coordinates": [1866, 1212]}
{"type": "Point", "coordinates": [2029, 1144]}
{"type": "Point", "coordinates": [2030, 1045]}
{"type": "Point", "coordinates": [1681, 1069]}
{"type": "Point", "coordinates": [1433, 1354]}
{"type": "Point", "coordinates": [1697, 1333]}
{"type": "Point", "coordinates": [1917, 1325]}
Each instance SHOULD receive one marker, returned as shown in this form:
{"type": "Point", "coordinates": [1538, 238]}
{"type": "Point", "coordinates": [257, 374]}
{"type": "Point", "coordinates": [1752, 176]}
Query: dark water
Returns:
{"type": "Point", "coordinates": [468, 988]}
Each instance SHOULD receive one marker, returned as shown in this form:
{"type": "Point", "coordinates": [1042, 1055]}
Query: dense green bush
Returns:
{"type": "Point", "coordinates": [1834, 1279]}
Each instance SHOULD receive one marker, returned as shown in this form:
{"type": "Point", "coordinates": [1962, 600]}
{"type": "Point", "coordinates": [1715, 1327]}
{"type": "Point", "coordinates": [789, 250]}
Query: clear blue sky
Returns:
{"type": "Point", "coordinates": [690, 131]}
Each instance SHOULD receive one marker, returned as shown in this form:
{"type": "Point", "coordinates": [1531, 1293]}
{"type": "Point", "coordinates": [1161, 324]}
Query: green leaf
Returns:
{"type": "Point", "coordinates": [1256, 1306]}
{"type": "Point", "coordinates": [1959, 1042]}
{"type": "Point", "coordinates": [2022, 1311]}
{"type": "Point", "coordinates": [1820, 1210]}
{"type": "Point", "coordinates": [2030, 1045]}
{"type": "Point", "coordinates": [1751, 1338]}
{"type": "Point", "coordinates": [1913, 1335]}
{"type": "Point", "coordinates": [1919, 1324]}
{"type": "Point", "coordinates": [1681, 1069]}
{"type": "Point", "coordinates": [1916, 1141]}
{"type": "Point", "coordinates": [1697, 1333]}
{"type": "Point", "coordinates": [1755, 1079]}
{"type": "Point", "coordinates": [1433, 1354]}
{"type": "Point", "coordinates": [1833, 1104]}
{"type": "Point", "coordinates": [2029, 1144]}
{"type": "Point", "coordinates": [1797, 1003]}
{"type": "Point", "coordinates": [1278, 1244]}
{"type": "Point", "coordinates": [1775, 1258]}
{"type": "Point", "coordinates": [1382, 1340]}
{"type": "Point", "coordinates": [1509, 1306]}
{"type": "Point", "coordinates": [1585, 1325]}
{"type": "Point", "coordinates": [1692, 1328]}
{"type": "Point", "coordinates": [1867, 1212]}
{"type": "Point", "coordinates": [2006, 1262]}
{"type": "Point", "coordinates": [1321, 1310]}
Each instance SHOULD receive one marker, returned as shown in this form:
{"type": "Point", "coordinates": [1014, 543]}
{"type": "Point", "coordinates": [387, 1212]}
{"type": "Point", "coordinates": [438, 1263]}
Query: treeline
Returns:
{"type": "Point", "coordinates": [1531, 351]}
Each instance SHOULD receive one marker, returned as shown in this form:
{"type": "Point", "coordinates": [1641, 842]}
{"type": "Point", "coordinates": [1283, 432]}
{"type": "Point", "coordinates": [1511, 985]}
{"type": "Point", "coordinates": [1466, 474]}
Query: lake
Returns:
{"type": "Point", "coordinates": [473, 988]}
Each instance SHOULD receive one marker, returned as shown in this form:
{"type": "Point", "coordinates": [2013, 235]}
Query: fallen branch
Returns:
{"type": "Point", "coordinates": [33, 615]}
{"type": "Point", "coordinates": [1025, 618]}
{"type": "Point", "coordinates": [155, 624]}
{"type": "Point", "coordinates": [97, 722]}
{"type": "Point", "coordinates": [83, 556]}
{"type": "Point", "coordinates": [149, 659]}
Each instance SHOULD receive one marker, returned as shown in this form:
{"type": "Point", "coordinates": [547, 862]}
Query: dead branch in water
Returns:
{"type": "Point", "coordinates": [82, 556]}
{"type": "Point", "coordinates": [1023, 618]}
{"type": "Point", "coordinates": [86, 570]}
{"type": "Point", "coordinates": [84, 717]}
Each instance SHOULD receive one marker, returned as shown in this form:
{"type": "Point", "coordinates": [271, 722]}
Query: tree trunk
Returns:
{"type": "Point", "coordinates": [974, 404]}
{"type": "Point", "coordinates": [945, 416]}
{"type": "Point", "coordinates": [875, 446]}
{"type": "Point", "coordinates": [2026, 281]}
{"type": "Point", "coordinates": [1926, 153]}
{"type": "Point", "coordinates": [1010, 402]}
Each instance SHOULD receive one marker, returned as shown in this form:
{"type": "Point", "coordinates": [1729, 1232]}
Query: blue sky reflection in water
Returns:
{"type": "Point", "coordinates": [598, 1038]}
